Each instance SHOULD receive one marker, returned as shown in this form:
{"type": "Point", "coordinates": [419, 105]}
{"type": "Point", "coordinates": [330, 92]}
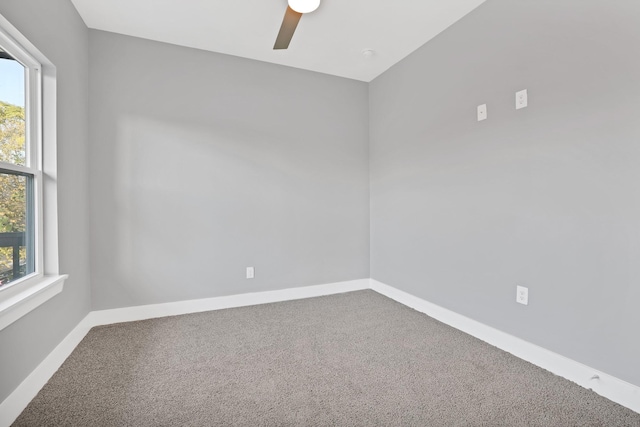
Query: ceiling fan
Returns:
{"type": "Point", "coordinates": [292, 16]}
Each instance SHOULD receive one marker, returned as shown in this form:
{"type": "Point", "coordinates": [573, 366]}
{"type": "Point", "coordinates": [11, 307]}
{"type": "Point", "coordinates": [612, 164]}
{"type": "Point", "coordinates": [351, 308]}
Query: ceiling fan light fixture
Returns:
{"type": "Point", "coordinates": [304, 6]}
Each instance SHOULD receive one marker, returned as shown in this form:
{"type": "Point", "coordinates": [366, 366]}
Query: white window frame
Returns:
{"type": "Point", "coordinates": [25, 294]}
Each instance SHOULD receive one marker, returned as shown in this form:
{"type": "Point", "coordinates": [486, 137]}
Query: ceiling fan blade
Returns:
{"type": "Point", "coordinates": [289, 24]}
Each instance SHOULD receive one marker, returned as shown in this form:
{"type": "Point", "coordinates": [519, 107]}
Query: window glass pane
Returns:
{"type": "Point", "coordinates": [16, 228]}
{"type": "Point", "coordinates": [12, 103]}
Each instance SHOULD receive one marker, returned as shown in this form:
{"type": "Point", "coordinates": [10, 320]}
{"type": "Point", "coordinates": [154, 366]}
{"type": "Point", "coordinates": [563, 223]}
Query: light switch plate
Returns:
{"type": "Point", "coordinates": [251, 273]}
{"type": "Point", "coordinates": [482, 112]}
{"type": "Point", "coordinates": [521, 99]}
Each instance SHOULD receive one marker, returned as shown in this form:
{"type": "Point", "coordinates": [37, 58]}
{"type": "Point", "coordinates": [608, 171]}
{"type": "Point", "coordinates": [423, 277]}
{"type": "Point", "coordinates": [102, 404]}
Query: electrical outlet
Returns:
{"type": "Point", "coordinates": [522, 99]}
{"type": "Point", "coordinates": [482, 112]}
{"type": "Point", "coordinates": [522, 295]}
{"type": "Point", "coordinates": [251, 273]}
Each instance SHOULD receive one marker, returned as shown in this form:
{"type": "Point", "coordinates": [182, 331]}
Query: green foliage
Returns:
{"type": "Point", "coordinates": [12, 134]}
{"type": "Point", "coordinates": [12, 187]}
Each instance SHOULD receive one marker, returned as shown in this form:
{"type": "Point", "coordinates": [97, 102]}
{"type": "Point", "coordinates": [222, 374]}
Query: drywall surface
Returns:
{"type": "Point", "coordinates": [204, 164]}
{"type": "Point", "coordinates": [55, 28]}
{"type": "Point", "coordinates": [545, 197]}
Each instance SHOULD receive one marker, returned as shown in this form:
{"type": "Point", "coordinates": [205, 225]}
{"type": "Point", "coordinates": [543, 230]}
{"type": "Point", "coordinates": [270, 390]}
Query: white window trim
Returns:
{"type": "Point", "coordinates": [24, 295]}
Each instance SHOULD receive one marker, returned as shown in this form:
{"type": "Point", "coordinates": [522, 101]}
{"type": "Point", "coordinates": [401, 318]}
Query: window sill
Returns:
{"type": "Point", "coordinates": [16, 303]}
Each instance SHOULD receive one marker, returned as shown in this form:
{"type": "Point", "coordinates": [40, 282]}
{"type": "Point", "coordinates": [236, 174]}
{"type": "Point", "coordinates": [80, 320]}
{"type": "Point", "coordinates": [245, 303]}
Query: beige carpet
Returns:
{"type": "Point", "coordinates": [356, 359]}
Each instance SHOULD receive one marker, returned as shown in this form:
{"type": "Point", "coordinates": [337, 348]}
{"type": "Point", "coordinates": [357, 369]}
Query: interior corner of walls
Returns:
{"type": "Point", "coordinates": [17, 401]}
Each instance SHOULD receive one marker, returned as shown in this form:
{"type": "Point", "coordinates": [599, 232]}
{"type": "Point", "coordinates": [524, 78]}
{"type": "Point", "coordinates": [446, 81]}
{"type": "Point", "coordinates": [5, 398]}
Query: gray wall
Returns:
{"type": "Point", "coordinates": [55, 28]}
{"type": "Point", "coordinates": [547, 197]}
{"type": "Point", "coordinates": [203, 164]}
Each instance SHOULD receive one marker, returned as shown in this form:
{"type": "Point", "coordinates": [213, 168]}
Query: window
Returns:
{"type": "Point", "coordinates": [28, 240]}
{"type": "Point", "coordinates": [19, 168]}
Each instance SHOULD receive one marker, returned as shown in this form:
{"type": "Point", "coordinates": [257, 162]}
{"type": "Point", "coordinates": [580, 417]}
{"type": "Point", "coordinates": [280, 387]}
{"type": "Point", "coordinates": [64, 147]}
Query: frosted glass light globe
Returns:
{"type": "Point", "coordinates": [304, 6]}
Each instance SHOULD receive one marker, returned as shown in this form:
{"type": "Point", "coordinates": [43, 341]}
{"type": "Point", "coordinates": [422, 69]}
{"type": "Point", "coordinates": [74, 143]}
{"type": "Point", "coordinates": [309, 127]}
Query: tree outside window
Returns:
{"type": "Point", "coordinates": [14, 192]}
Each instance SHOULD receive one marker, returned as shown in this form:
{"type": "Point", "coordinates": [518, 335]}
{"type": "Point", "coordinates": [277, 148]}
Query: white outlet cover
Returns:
{"type": "Point", "coordinates": [522, 295]}
{"type": "Point", "coordinates": [251, 273]}
{"type": "Point", "coordinates": [482, 112]}
{"type": "Point", "coordinates": [522, 99]}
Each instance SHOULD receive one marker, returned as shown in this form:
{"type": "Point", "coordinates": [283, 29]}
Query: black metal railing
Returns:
{"type": "Point", "coordinates": [13, 240]}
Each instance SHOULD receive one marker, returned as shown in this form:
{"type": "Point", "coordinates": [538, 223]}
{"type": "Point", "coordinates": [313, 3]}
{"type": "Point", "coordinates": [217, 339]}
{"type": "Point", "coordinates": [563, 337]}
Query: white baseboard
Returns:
{"type": "Point", "coordinates": [612, 388]}
{"type": "Point", "coordinates": [17, 401]}
{"type": "Point", "coordinates": [606, 385]}
{"type": "Point", "coordinates": [142, 312]}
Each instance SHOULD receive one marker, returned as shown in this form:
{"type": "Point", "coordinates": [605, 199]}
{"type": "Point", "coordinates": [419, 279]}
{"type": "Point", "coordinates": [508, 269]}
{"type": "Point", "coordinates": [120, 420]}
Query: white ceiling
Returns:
{"type": "Point", "coordinates": [330, 40]}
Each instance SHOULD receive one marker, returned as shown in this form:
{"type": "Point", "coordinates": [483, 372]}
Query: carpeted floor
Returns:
{"type": "Point", "coordinates": [356, 359]}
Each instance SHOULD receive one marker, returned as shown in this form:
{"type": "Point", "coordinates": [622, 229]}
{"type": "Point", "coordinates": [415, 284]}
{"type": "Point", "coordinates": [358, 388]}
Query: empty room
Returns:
{"type": "Point", "coordinates": [319, 213]}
